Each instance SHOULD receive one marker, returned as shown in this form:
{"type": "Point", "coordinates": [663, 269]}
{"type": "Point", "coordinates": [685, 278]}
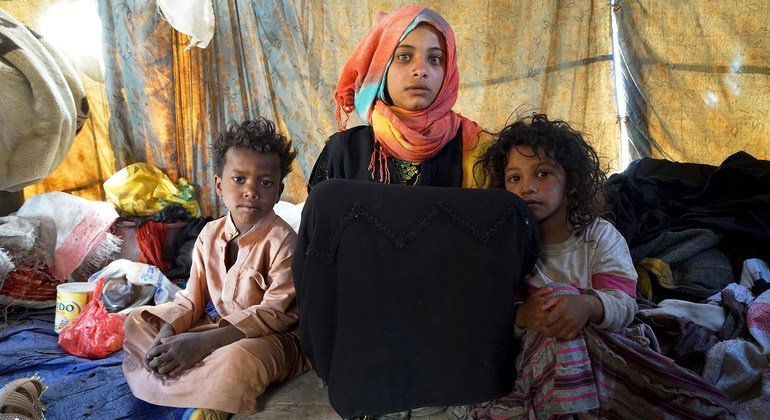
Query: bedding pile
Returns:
{"type": "Point", "coordinates": [699, 237]}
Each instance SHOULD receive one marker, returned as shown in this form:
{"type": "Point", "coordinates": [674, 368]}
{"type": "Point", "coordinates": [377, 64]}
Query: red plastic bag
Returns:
{"type": "Point", "coordinates": [94, 333]}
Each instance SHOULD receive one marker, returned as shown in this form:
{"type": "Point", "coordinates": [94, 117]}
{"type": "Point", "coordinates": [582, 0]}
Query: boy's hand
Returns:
{"type": "Point", "coordinates": [530, 314]}
{"type": "Point", "coordinates": [165, 331]}
{"type": "Point", "coordinates": [569, 314]}
{"type": "Point", "coordinates": [178, 353]}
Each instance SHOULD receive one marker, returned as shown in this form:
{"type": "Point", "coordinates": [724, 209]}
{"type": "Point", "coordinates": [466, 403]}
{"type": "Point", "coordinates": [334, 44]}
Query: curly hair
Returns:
{"type": "Point", "coordinates": [557, 140]}
{"type": "Point", "coordinates": [259, 135]}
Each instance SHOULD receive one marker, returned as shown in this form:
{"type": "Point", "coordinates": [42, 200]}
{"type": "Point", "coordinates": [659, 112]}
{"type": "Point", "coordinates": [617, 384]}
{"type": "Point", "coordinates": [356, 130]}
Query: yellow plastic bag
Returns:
{"type": "Point", "coordinates": [141, 189]}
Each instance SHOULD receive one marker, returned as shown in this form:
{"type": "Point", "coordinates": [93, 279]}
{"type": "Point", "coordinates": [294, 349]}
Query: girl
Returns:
{"type": "Point", "coordinates": [557, 174]}
{"type": "Point", "coordinates": [581, 294]}
{"type": "Point", "coordinates": [402, 80]}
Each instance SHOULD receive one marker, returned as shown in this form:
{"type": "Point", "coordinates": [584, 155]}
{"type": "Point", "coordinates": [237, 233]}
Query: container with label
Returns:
{"type": "Point", "coordinates": [71, 298]}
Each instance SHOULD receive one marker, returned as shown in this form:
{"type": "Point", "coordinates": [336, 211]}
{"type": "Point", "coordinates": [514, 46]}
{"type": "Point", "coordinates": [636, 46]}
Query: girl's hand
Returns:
{"type": "Point", "coordinates": [530, 314]}
{"type": "Point", "coordinates": [165, 331]}
{"type": "Point", "coordinates": [569, 314]}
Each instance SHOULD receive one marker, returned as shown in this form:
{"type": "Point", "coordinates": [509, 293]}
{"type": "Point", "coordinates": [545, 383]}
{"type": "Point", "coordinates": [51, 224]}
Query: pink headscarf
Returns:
{"type": "Point", "coordinates": [414, 136]}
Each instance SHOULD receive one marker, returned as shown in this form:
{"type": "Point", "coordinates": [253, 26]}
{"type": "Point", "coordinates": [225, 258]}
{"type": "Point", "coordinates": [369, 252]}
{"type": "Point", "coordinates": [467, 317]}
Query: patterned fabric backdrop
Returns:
{"type": "Point", "coordinates": [281, 59]}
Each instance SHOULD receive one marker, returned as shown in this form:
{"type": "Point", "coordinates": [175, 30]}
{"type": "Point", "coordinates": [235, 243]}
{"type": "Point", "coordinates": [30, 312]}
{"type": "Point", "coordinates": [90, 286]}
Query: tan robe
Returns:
{"type": "Point", "coordinates": [256, 296]}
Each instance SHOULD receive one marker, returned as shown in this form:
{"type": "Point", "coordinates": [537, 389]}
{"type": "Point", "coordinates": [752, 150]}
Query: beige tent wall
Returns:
{"type": "Point", "coordinates": [699, 77]}
{"type": "Point", "coordinates": [281, 59]}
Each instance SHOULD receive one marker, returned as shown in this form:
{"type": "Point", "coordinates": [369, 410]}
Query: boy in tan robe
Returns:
{"type": "Point", "coordinates": [218, 362]}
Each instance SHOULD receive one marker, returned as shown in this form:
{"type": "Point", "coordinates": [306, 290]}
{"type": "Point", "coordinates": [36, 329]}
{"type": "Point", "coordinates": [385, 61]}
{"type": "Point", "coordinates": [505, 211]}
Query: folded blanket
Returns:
{"type": "Point", "coordinates": [43, 105]}
{"type": "Point", "coordinates": [741, 367]}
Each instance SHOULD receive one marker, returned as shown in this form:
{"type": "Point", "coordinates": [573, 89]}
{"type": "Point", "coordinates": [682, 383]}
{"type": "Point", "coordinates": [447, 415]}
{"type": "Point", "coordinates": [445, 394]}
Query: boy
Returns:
{"type": "Point", "coordinates": [180, 354]}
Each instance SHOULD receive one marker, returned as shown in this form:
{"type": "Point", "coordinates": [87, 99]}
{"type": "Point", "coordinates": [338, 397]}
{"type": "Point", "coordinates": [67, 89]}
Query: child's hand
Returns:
{"type": "Point", "coordinates": [165, 331]}
{"type": "Point", "coordinates": [568, 314]}
{"type": "Point", "coordinates": [530, 314]}
{"type": "Point", "coordinates": [178, 353]}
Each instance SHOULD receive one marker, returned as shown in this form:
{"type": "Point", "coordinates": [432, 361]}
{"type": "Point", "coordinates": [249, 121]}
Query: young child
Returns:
{"type": "Point", "coordinates": [580, 296]}
{"type": "Point", "coordinates": [218, 362]}
{"type": "Point", "coordinates": [551, 167]}
{"type": "Point", "coordinates": [402, 80]}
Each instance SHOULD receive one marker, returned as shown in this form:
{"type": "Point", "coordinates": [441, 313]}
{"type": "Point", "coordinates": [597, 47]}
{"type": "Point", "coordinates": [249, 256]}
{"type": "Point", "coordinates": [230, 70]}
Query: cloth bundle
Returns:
{"type": "Point", "coordinates": [601, 374]}
{"type": "Point", "coordinates": [191, 17]}
{"type": "Point", "coordinates": [44, 105]}
{"type": "Point", "coordinates": [81, 228]}
{"type": "Point", "coordinates": [26, 252]}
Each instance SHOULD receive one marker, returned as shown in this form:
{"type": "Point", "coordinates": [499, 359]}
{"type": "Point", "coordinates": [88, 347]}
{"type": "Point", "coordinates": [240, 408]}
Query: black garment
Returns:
{"type": "Point", "coordinates": [180, 253]}
{"type": "Point", "coordinates": [406, 293]}
{"type": "Point", "coordinates": [653, 196]}
{"type": "Point", "coordinates": [348, 153]}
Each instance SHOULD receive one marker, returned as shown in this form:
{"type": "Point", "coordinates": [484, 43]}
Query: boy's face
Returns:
{"type": "Point", "coordinates": [541, 183]}
{"type": "Point", "coordinates": [250, 185]}
{"type": "Point", "coordinates": [416, 73]}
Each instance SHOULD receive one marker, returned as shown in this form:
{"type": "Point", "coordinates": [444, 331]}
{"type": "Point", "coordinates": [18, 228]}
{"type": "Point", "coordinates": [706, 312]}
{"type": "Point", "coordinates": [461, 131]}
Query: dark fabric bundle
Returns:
{"type": "Point", "coordinates": [407, 293]}
{"type": "Point", "coordinates": [652, 197]}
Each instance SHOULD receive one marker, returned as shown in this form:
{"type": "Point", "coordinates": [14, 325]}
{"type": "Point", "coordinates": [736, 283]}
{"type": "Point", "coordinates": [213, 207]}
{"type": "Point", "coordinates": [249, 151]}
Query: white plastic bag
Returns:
{"type": "Point", "coordinates": [140, 273]}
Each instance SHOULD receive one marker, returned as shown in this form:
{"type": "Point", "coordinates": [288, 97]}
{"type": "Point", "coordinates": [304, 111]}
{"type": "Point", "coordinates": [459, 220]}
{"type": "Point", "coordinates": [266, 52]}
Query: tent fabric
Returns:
{"type": "Point", "coordinates": [282, 59]}
{"type": "Point", "coordinates": [190, 17]}
{"type": "Point", "coordinates": [697, 76]}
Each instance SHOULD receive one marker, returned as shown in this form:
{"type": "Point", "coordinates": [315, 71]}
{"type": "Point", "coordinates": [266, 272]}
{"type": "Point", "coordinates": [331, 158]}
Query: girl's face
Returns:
{"type": "Point", "coordinates": [417, 70]}
{"type": "Point", "coordinates": [542, 183]}
{"type": "Point", "coordinates": [250, 185]}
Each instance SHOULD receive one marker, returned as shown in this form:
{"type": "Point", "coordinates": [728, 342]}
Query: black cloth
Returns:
{"type": "Point", "coordinates": [653, 196]}
{"type": "Point", "coordinates": [180, 253]}
{"type": "Point", "coordinates": [406, 293]}
{"type": "Point", "coordinates": [347, 155]}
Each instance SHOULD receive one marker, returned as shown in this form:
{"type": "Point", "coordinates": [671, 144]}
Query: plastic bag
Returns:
{"type": "Point", "coordinates": [94, 333]}
{"type": "Point", "coordinates": [139, 273]}
{"type": "Point", "coordinates": [141, 189]}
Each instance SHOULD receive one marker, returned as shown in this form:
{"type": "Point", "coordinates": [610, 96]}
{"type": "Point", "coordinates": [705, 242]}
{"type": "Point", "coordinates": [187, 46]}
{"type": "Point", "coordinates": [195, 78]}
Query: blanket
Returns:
{"type": "Point", "coordinates": [44, 105]}
{"type": "Point", "coordinates": [664, 209]}
{"type": "Point", "coordinates": [77, 388]}
{"type": "Point", "coordinates": [602, 374]}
